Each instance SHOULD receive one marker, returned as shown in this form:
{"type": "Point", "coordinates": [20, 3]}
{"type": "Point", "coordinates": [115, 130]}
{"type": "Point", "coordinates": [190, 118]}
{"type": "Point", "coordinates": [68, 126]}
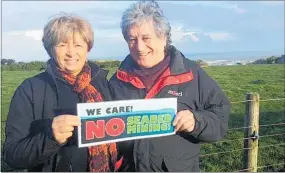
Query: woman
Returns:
{"type": "Point", "coordinates": [156, 69]}
{"type": "Point", "coordinates": [40, 129]}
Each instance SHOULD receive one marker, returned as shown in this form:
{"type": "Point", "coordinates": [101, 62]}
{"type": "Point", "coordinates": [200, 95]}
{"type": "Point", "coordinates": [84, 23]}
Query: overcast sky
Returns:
{"type": "Point", "coordinates": [197, 27]}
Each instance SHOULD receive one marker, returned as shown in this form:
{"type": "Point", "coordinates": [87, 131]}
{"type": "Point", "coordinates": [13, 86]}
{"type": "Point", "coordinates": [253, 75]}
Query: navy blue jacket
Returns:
{"type": "Point", "coordinates": [29, 141]}
{"type": "Point", "coordinates": [196, 92]}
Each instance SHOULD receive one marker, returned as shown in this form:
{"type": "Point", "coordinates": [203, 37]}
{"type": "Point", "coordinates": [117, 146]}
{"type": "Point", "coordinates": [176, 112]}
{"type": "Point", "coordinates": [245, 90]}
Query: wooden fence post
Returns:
{"type": "Point", "coordinates": [251, 120]}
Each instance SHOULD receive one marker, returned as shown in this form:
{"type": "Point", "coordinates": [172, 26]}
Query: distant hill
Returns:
{"type": "Point", "coordinates": [234, 55]}
{"type": "Point", "coordinates": [271, 60]}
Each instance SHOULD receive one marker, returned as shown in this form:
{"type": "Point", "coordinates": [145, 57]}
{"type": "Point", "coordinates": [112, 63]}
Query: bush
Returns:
{"type": "Point", "coordinates": [39, 65]}
{"type": "Point", "coordinates": [34, 65]}
{"type": "Point", "coordinates": [108, 64]}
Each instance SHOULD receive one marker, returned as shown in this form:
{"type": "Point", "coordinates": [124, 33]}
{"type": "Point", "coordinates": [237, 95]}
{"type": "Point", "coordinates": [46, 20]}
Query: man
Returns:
{"type": "Point", "coordinates": [156, 69]}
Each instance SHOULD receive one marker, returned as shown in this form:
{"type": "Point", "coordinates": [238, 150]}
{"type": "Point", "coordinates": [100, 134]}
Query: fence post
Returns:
{"type": "Point", "coordinates": [251, 120]}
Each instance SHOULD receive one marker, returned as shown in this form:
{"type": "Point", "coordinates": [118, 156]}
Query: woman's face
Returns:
{"type": "Point", "coordinates": [71, 55]}
{"type": "Point", "coordinates": [146, 48]}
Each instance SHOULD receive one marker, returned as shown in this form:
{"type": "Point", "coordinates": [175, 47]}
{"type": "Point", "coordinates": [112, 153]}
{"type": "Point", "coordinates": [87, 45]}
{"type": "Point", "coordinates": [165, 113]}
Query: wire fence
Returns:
{"type": "Point", "coordinates": [244, 101]}
{"type": "Point", "coordinates": [264, 125]}
{"type": "Point", "coordinates": [239, 139]}
{"type": "Point", "coordinates": [252, 137]}
{"type": "Point", "coordinates": [241, 149]}
{"type": "Point", "coordinates": [224, 152]}
{"type": "Point", "coordinates": [277, 164]}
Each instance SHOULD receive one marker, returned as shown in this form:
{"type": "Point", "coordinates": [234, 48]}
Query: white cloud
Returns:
{"type": "Point", "coordinates": [29, 47]}
{"type": "Point", "coordinates": [23, 46]}
{"type": "Point", "coordinates": [34, 34]}
{"type": "Point", "coordinates": [98, 33]}
{"type": "Point", "coordinates": [179, 33]}
{"type": "Point", "coordinates": [220, 36]}
{"type": "Point", "coordinates": [235, 7]}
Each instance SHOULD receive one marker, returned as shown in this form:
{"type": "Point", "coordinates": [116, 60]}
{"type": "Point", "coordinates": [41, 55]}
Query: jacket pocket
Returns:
{"type": "Point", "coordinates": [181, 165]}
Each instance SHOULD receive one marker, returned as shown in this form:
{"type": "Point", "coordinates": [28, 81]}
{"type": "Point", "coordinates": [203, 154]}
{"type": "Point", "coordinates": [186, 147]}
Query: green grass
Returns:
{"type": "Point", "coordinates": [236, 81]}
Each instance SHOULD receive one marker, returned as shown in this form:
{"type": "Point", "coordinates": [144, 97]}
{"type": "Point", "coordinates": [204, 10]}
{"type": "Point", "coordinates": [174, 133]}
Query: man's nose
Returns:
{"type": "Point", "coordinates": [140, 45]}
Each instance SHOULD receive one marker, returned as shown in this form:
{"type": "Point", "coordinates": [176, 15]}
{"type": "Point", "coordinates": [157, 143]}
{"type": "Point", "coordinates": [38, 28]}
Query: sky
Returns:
{"type": "Point", "coordinates": [197, 27]}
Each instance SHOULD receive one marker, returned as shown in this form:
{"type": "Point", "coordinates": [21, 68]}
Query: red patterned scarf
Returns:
{"type": "Point", "coordinates": [102, 158]}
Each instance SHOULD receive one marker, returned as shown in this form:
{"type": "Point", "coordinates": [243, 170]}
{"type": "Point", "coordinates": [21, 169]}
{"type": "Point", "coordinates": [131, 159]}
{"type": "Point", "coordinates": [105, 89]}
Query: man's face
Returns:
{"type": "Point", "coordinates": [146, 48]}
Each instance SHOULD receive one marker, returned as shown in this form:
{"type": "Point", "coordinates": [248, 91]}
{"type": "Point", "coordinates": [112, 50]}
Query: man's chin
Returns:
{"type": "Point", "coordinates": [146, 65]}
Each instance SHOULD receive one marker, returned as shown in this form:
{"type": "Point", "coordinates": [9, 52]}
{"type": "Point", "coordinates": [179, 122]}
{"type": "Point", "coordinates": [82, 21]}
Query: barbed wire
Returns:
{"type": "Point", "coordinates": [270, 165]}
{"type": "Point", "coordinates": [224, 152]}
{"type": "Point", "coordinates": [271, 145]}
{"type": "Point", "coordinates": [260, 167]}
{"type": "Point", "coordinates": [238, 128]}
{"type": "Point", "coordinates": [274, 145]}
{"type": "Point", "coordinates": [238, 139]}
{"type": "Point", "coordinates": [243, 170]}
{"type": "Point", "coordinates": [263, 125]}
{"type": "Point", "coordinates": [243, 101]}
{"type": "Point", "coordinates": [279, 134]}
{"type": "Point", "coordinates": [230, 140]}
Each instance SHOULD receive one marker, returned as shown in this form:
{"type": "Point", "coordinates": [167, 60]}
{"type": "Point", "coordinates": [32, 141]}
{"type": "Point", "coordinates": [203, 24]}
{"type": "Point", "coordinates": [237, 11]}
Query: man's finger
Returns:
{"type": "Point", "coordinates": [180, 122]}
{"type": "Point", "coordinates": [187, 125]}
{"type": "Point", "coordinates": [176, 119]}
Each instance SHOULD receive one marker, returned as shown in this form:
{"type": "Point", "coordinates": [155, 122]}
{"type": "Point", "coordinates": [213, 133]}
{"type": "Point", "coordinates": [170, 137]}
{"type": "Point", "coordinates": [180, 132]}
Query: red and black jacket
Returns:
{"type": "Point", "coordinates": [195, 91]}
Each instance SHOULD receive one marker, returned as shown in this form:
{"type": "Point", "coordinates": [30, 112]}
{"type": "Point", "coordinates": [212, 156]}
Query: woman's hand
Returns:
{"type": "Point", "coordinates": [63, 126]}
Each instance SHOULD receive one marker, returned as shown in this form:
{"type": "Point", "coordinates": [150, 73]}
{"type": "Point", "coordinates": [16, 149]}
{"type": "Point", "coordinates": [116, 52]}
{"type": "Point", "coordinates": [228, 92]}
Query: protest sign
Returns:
{"type": "Point", "coordinates": [114, 121]}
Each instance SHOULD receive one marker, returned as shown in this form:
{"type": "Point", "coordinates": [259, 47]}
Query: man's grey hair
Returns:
{"type": "Point", "coordinates": [142, 11]}
{"type": "Point", "coordinates": [62, 27]}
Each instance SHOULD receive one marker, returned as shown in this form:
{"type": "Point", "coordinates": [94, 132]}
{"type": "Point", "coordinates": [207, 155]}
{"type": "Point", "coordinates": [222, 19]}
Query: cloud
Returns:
{"type": "Point", "coordinates": [34, 34]}
{"type": "Point", "coordinates": [220, 36]}
{"type": "Point", "coordinates": [107, 43]}
{"type": "Point", "coordinates": [180, 32]}
{"type": "Point", "coordinates": [197, 26]}
{"type": "Point", "coordinates": [23, 46]}
{"type": "Point", "coordinates": [114, 34]}
{"type": "Point", "coordinates": [18, 15]}
{"type": "Point", "coordinates": [235, 7]}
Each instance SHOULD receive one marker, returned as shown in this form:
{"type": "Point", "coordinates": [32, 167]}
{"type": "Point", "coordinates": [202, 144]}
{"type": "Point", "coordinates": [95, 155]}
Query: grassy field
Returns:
{"type": "Point", "coordinates": [236, 81]}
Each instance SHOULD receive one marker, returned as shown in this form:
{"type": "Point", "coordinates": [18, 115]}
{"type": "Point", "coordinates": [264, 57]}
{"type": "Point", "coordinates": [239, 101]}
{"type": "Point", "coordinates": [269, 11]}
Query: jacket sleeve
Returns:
{"type": "Point", "coordinates": [24, 147]}
{"type": "Point", "coordinates": [102, 84]}
{"type": "Point", "coordinates": [212, 119]}
{"type": "Point", "coordinates": [107, 91]}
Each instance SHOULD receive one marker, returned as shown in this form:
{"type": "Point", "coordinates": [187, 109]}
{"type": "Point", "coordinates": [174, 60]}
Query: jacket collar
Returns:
{"type": "Point", "coordinates": [176, 62]}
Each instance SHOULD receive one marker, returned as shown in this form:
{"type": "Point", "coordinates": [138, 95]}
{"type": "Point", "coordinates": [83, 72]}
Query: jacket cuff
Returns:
{"type": "Point", "coordinates": [198, 124]}
{"type": "Point", "coordinates": [52, 139]}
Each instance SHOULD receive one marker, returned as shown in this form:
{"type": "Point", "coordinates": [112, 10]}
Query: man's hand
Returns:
{"type": "Point", "coordinates": [63, 126]}
{"type": "Point", "coordinates": [184, 121]}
